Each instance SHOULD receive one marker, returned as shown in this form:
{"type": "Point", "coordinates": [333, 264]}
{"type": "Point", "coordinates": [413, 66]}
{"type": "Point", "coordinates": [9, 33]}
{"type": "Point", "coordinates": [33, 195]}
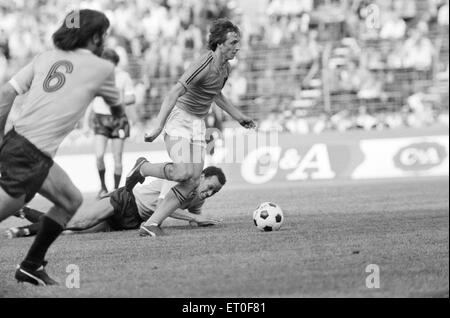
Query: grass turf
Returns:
{"type": "Point", "coordinates": [332, 231]}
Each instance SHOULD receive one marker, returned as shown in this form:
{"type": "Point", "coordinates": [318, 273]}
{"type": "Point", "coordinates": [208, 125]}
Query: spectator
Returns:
{"type": "Point", "coordinates": [350, 77]}
{"type": "Point", "coordinates": [364, 120]}
{"type": "Point", "coordinates": [418, 49]}
{"type": "Point", "coordinates": [421, 113]}
{"type": "Point", "coordinates": [442, 17]}
{"type": "Point", "coordinates": [394, 28]}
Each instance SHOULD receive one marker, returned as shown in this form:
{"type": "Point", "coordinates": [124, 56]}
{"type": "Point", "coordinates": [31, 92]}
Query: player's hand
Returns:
{"type": "Point", "coordinates": [204, 221]}
{"type": "Point", "coordinates": [152, 135]}
{"type": "Point", "coordinates": [247, 122]}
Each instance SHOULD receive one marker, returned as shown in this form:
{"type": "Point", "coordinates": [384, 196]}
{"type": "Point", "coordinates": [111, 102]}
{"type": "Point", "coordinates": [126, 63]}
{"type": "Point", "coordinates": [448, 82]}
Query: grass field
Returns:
{"type": "Point", "coordinates": [332, 231]}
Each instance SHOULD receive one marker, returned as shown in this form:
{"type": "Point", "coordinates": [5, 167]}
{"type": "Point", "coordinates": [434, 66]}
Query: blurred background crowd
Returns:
{"type": "Point", "coordinates": [305, 66]}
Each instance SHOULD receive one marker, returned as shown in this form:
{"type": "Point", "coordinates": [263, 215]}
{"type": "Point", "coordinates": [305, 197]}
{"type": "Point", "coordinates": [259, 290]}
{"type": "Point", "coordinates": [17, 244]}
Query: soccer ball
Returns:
{"type": "Point", "coordinates": [268, 217]}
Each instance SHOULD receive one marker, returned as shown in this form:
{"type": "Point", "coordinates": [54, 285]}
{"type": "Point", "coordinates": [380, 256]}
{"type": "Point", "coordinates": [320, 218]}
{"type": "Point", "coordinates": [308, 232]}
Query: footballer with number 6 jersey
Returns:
{"type": "Point", "coordinates": [60, 83]}
{"type": "Point", "coordinates": [181, 119]}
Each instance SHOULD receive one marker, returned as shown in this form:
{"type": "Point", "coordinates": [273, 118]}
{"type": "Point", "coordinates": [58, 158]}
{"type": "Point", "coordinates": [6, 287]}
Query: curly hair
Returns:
{"type": "Point", "coordinates": [215, 171]}
{"type": "Point", "coordinates": [218, 33]}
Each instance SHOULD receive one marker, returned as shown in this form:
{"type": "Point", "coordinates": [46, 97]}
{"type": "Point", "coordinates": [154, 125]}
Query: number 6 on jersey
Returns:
{"type": "Point", "coordinates": [50, 87]}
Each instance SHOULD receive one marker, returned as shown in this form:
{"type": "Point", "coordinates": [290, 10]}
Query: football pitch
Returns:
{"type": "Point", "coordinates": [332, 231]}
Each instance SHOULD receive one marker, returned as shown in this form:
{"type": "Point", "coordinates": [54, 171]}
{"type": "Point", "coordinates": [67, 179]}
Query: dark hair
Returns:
{"type": "Point", "coordinates": [219, 31]}
{"type": "Point", "coordinates": [111, 55]}
{"type": "Point", "coordinates": [86, 23]}
{"type": "Point", "coordinates": [215, 171]}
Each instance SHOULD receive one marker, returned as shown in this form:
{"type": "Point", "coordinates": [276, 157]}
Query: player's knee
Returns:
{"type": "Point", "coordinates": [182, 174]}
{"type": "Point", "coordinates": [118, 166]}
{"type": "Point", "coordinates": [100, 160]}
{"type": "Point", "coordinates": [186, 175]}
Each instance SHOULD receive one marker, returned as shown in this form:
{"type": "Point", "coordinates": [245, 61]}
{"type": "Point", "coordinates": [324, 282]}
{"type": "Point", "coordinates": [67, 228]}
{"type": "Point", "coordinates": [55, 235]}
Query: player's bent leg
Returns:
{"type": "Point", "coordinates": [88, 217]}
{"type": "Point", "coordinates": [60, 190]}
{"type": "Point", "coordinates": [188, 159]}
{"type": "Point", "coordinates": [9, 205]}
{"type": "Point", "coordinates": [177, 172]}
{"type": "Point", "coordinates": [174, 199]}
{"type": "Point", "coordinates": [179, 150]}
{"type": "Point", "coordinates": [178, 195]}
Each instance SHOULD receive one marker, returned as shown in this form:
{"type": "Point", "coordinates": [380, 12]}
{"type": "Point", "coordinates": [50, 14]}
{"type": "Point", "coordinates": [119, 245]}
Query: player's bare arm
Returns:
{"type": "Point", "coordinates": [7, 96]}
{"type": "Point", "coordinates": [235, 113]}
{"type": "Point", "coordinates": [168, 104]}
{"type": "Point", "coordinates": [194, 219]}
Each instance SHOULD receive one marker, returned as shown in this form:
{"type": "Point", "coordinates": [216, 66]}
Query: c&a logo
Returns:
{"type": "Point", "coordinates": [420, 156]}
{"type": "Point", "coordinates": [262, 165]}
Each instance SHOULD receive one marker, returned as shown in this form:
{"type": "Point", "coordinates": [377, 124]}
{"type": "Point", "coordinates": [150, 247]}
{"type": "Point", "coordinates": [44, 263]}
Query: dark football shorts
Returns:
{"type": "Point", "coordinates": [112, 127]}
{"type": "Point", "coordinates": [23, 167]}
{"type": "Point", "coordinates": [126, 215]}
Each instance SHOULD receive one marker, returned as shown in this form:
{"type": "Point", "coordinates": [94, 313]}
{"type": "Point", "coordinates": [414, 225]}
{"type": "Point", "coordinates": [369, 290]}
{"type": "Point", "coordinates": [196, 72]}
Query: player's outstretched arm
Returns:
{"type": "Point", "coordinates": [235, 113]}
{"type": "Point", "coordinates": [7, 96]}
{"type": "Point", "coordinates": [168, 104]}
{"type": "Point", "coordinates": [194, 219]}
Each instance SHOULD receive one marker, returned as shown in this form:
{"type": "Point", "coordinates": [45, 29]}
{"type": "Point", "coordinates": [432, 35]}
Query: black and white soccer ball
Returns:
{"type": "Point", "coordinates": [268, 217]}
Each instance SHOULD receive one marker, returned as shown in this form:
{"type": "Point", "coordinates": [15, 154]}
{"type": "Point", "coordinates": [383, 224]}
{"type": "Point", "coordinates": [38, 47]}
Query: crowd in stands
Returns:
{"type": "Point", "coordinates": [305, 66]}
{"type": "Point", "coordinates": [371, 65]}
{"type": "Point", "coordinates": [158, 31]}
